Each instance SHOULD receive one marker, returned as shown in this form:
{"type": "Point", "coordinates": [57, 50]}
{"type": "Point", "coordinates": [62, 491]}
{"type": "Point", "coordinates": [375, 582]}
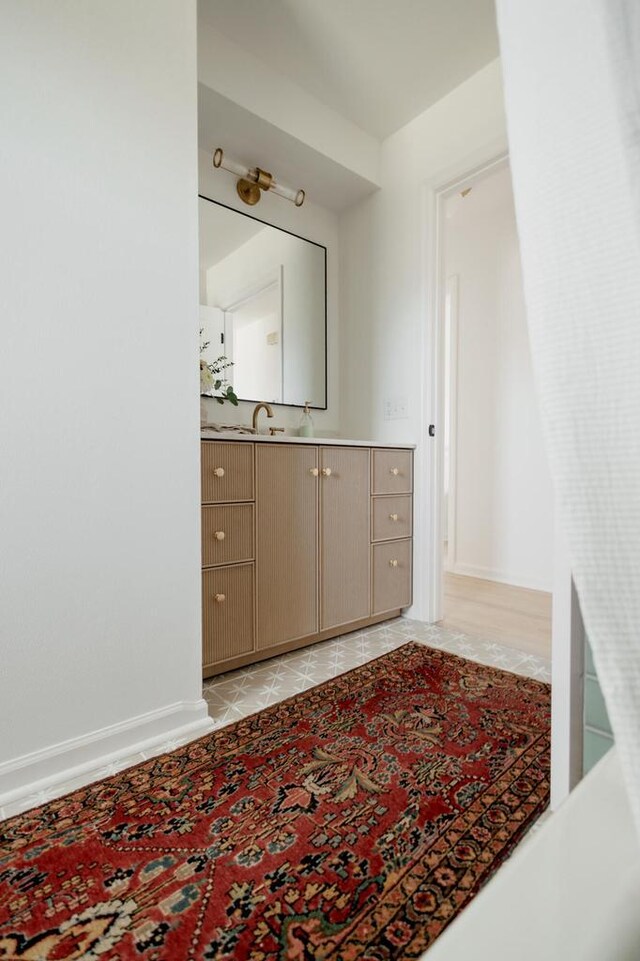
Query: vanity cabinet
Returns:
{"type": "Point", "coordinates": [300, 542]}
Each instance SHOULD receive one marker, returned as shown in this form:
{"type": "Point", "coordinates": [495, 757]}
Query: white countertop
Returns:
{"type": "Point", "coordinates": [286, 439]}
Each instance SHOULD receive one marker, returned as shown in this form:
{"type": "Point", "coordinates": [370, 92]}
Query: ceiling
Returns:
{"type": "Point", "coordinates": [379, 63]}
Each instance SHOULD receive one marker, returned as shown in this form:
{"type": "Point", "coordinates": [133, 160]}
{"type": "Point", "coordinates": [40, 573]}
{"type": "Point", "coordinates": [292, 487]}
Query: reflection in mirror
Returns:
{"type": "Point", "coordinates": [263, 305]}
{"type": "Point", "coordinates": [253, 338]}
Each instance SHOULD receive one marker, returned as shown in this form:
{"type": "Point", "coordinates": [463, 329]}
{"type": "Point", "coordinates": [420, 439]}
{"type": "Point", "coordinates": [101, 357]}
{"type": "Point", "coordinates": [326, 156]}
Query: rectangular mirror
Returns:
{"type": "Point", "coordinates": [263, 304]}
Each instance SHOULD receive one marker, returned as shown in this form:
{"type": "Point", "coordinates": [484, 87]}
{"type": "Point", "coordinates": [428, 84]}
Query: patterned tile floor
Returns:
{"type": "Point", "coordinates": [250, 689]}
{"type": "Point", "coordinates": [245, 691]}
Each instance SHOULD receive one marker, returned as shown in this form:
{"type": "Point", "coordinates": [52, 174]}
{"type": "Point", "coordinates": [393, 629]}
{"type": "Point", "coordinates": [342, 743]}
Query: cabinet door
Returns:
{"type": "Point", "coordinates": [345, 581]}
{"type": "Point", "coordinates": [286, 543]}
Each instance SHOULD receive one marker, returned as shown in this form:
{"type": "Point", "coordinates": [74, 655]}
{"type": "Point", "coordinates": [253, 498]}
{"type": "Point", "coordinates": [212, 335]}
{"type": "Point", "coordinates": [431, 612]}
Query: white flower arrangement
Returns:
{"type": "Point", "coordinates": [212, 377]}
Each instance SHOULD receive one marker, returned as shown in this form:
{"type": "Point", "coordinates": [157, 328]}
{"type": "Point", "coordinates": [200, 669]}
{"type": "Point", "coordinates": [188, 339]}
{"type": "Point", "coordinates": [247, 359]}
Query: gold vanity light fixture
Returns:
{"type": "Point", "coordinates": [252, 181]}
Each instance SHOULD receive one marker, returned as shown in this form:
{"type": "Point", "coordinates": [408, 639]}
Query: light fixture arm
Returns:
{"type": "Point", "coordinates": [253, 180]}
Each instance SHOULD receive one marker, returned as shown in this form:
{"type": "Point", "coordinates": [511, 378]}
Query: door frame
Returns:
{"type": "Point", "coordinates": [462, 175]}
{"type": "Point", "coordinates": [568, 635]}
{"type": "Point", "coordinates": [451, 299]}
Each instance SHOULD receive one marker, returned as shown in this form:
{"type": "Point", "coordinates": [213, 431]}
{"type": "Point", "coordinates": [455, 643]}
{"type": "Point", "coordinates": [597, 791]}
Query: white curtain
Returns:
{"type": "Point", "coordinates": [572, 87]}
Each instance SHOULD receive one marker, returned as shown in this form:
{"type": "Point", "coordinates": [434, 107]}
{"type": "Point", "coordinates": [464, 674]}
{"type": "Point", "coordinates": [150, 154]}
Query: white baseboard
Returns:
{"type": "Point", "coordinates": [501, 577]}
{"type": "Point", "coordinates": [50, 772]}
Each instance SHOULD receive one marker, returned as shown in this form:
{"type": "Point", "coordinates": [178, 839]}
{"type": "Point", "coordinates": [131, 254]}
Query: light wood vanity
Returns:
{"type": "Point", "coordinates": [300, 542]}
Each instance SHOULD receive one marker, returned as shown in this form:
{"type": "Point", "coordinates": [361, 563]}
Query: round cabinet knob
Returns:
{"type": "Point", "coordinates": [393, 517]}
{"type": "Point", "coordinates": [220, 598]}
{"type": "Point", "coordinates": [394, 471]}
{"type": "Point", "coordinates": [393, 563]}
{"type": "Point", "coordinates": [314, 471]}
{"type": "Point", "coordinates": [326, 471]}
{"type": "Point", "coordinates": [219, 535]}
{"type": "Point", "coordinates": [218, 471]}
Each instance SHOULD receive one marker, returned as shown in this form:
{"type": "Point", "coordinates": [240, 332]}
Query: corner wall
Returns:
{"type": "Point", "coordinates": [384, 271]}
{"type": "Point", "coordinates": [99, 574]}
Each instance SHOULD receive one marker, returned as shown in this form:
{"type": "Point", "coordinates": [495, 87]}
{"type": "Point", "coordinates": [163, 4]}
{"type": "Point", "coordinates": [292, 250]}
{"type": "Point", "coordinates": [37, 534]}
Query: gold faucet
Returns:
{"type": "Point", "coordinates": [256, 411]}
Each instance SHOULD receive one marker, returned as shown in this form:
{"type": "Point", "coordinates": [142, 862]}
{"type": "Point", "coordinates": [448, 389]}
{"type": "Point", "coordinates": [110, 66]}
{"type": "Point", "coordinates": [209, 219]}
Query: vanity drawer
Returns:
{"type": "Point", "coordinates": [227, 534]}
{"type": "Point", "coordinates": [226, 471]}
{"type": "Point", "coordinates": [391, 576]}
{"type": "Point", "coordinates": [227, 613]}
{"type": "Point", "coordinates": [392, 472]}
{"type": "Point", "coordinates": [391, 517]}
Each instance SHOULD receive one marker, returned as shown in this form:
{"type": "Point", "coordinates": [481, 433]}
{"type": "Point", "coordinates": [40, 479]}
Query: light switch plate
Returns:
{"type": "Point", "coordinates": [396, 408]}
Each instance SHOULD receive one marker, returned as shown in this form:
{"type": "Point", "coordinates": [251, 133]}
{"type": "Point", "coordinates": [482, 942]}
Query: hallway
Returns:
{"type": "Point", "coordinates": [514, 616]}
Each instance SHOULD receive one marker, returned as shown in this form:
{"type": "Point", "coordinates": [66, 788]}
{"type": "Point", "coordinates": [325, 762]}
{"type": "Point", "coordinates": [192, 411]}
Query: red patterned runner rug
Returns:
{"type": "Point", "coordinates": [353, 821]}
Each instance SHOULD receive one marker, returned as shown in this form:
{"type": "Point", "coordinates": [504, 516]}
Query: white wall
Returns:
{"type": "Point", "coordinates": [503, 500]}
{"type": "Point", "coordinates": [386, 289]}
{"type": "Point", "coordinates": [99, 571]}
{"type": "Point", "coordinates": [314, 223]}
{"type": "Point", "coordinates": [259, 373]}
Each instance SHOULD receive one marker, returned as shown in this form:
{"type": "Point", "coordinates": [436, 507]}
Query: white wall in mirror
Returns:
{"type": "Point", "coordinates": [269, 285]}
{"type": "Point", "coordinates": [253, 337]}
{"type": "Point", "coordinates": [319, 224]}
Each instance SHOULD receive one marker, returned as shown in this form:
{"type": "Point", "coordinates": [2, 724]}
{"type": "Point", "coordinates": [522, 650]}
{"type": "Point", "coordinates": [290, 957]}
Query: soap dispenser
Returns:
{"type": "Point", "coordinates": [306, 422]}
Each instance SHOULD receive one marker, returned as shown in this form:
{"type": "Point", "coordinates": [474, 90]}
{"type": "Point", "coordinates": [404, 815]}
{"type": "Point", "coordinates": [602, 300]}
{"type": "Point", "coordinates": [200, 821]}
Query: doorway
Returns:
{"type": "Point", "coordinates": [496, 503]}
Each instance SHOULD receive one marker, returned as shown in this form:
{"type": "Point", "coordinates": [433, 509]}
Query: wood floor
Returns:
{"type": "Point", "coordinates": [514, 616]}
